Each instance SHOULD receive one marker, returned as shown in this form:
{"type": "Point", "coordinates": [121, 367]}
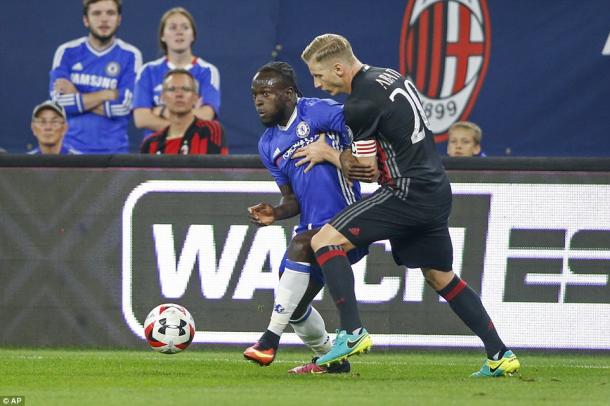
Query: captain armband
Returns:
{"type": "Point", "coordinates": [366, 148]}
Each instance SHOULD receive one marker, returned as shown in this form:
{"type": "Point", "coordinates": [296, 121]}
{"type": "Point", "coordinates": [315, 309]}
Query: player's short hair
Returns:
{"type": "Point", "coordinates": [477, 133]}
{"type": "Point", "coordinates": [167, 15]}
{"type": "Point", "coordinates": [327, 46]}
{"type": "Point", "coordinates": [285, 72]}
{"type": "Point", "coordinates": [87, 3]}
{"type": "Point", "coordinates": [180, 71]}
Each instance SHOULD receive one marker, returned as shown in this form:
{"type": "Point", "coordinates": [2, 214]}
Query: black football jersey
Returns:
{"type": "Point", "coordinates": [385, 106]}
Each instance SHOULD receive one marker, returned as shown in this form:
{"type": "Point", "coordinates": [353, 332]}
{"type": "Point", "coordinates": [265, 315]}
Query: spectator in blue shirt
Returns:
{"type": "Point", "coordinates": [177, 33]}
{"type": "Point", "coordinates": [93, 79]}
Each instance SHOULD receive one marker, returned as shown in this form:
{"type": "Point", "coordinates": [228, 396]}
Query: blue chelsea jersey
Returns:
{"type": "Point", "coordinates": [323, 191]}
{"type": "Point", "coordinates": [90, 71]}
{"type": "Point", "coordinates": [149, 83]}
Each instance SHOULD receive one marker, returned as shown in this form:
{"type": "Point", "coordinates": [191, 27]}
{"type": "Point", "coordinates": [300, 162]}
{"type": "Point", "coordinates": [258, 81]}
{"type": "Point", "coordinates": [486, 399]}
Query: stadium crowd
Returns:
{"type": "Point", "coordinates": [100, 83]}
{"type": "Point", "coordinates": [97, 82]}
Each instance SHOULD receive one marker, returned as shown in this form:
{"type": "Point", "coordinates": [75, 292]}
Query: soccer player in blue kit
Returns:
{"type": "Point", "coordinates": [411, 207]}
{"type": "Point", "coordinates": [299, 131]}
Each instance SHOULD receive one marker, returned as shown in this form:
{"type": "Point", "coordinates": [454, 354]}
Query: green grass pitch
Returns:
{"type": "Point", "coordinates": [202, 376]}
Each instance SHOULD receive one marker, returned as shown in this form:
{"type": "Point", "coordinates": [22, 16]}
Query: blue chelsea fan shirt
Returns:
{"type": "Point", "coordinates": [91, 71]}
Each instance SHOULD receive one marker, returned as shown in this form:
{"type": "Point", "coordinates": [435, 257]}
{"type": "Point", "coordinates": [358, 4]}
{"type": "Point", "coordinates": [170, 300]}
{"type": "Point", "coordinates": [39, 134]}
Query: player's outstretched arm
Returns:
{"type": "Point", "coordinates": [289, 205]}
{"type": "Point", "coordinates": [263, 214]}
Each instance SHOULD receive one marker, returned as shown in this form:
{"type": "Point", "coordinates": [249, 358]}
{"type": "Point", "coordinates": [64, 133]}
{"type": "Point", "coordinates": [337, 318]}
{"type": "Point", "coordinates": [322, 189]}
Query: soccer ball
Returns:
{"type": "Point", "coordinates": [169, 328]}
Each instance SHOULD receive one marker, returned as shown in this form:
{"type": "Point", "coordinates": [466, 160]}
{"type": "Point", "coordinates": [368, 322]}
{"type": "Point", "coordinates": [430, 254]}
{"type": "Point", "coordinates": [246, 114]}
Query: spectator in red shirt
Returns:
{"type": "Point", "coordinates": [186, 134]}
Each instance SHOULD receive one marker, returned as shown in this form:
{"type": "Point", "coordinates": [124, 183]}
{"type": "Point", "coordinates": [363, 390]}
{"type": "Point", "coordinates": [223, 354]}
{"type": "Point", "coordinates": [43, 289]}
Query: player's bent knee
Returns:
{"type": "Point", "coordinates": [437, 279]}
{"type": "Point", "coordinates": [320, 239]}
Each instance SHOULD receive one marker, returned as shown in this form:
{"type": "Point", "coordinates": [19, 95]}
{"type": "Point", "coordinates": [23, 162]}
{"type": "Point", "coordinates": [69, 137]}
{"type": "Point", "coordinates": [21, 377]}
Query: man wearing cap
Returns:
{"type": "Point", "coordinates": [49, 127]}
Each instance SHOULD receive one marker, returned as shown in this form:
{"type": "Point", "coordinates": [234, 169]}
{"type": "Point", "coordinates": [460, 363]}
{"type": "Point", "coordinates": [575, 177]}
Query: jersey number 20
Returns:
{"type": "Point", "coordinates": [418, 111]}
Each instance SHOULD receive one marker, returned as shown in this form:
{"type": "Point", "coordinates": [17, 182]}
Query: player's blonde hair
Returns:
{"type": "Point", "coordinates": [327, 46]}
{"type": "Point", "coordinates": [477, 133]}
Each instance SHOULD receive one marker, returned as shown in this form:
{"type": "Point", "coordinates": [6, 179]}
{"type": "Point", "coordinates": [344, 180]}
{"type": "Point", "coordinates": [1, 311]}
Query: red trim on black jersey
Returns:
{"type": "Point", "coordinates": [203, 137]}
{"type": "Point", "coordinates": [382, 165]}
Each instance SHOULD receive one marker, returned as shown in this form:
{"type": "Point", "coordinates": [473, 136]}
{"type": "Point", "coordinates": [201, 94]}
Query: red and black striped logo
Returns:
{"type": "Point", "coordinates": [444, 48]}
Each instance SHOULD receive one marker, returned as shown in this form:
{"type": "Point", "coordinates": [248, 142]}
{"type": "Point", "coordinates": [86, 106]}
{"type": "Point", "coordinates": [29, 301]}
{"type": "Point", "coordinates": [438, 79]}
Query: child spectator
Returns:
{"type": "Point", "coordinates": [464, 139]}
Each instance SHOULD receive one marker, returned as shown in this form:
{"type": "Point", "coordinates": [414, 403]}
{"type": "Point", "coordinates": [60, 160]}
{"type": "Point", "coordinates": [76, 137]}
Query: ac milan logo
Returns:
{"type": "Point", "coordinates": [444, 49]}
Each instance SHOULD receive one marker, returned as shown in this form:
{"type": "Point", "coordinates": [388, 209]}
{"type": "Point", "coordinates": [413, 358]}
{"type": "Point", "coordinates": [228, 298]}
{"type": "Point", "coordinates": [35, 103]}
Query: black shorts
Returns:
{"type": "Point", "coordinates": [419, 234]}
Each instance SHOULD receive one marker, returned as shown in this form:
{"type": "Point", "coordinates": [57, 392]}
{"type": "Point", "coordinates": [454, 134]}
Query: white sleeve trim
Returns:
{"type": "Point", "coordinates": [124, 108]}
{"type": "Point", "coordinates": [137, 63]}
{"type": "Point", "coordinates": [214, 74]}
{"type": "Point", "coordinates": [59, 53]}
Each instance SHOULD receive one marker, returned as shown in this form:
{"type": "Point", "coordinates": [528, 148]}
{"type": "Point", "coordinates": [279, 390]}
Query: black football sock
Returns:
{"type": "Point", "coordinates": [340, 282]}
{"type": "Point", "coordinates": [269, 340]}
{"type": "Point", "coordinates": [467, 304]}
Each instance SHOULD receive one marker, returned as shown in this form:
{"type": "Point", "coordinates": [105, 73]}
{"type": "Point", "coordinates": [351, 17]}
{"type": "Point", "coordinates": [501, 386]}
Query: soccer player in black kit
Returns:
{"type": "Point", "coordinates": [411, 207]}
